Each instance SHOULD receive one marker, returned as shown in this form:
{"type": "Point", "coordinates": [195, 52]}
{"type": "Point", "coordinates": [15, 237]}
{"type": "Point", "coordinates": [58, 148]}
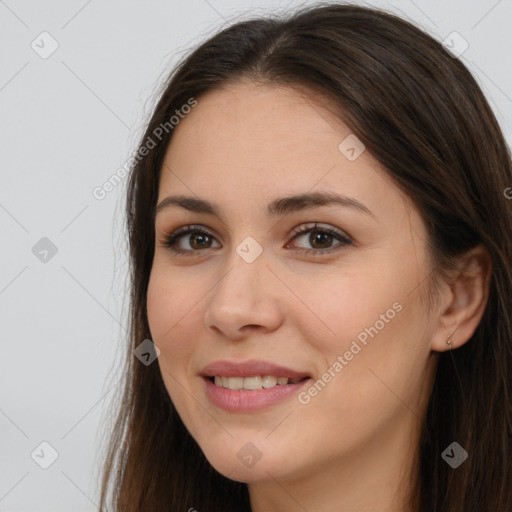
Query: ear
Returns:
{"type": "Point", "coordinates": [462, 303]}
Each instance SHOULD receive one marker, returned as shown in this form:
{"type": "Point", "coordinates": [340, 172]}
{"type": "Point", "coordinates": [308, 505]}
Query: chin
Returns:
{"type": "Point", "coordinates": [246, 464]}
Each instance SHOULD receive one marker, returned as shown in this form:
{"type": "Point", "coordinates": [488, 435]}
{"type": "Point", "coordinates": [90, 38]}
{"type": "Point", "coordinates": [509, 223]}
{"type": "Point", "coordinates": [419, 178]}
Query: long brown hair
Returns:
{"type": "Point", "coordinates": [420, 112]}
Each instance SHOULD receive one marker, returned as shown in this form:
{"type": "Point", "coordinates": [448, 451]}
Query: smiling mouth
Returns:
{"type": "Point", "coordinates": [253, 383]}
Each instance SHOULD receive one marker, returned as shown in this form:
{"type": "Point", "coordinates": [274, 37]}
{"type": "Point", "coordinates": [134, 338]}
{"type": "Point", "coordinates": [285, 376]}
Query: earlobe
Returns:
{"type": "Point", "coordinates": [466, 298]}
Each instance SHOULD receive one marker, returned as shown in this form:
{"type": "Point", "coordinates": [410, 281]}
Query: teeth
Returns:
{"type": "Point", "coordinates": [252, 383]}
{"type": "Point", "coordinates": [269, 381]}
{"type": "Point", "coordinates": [236, 382]}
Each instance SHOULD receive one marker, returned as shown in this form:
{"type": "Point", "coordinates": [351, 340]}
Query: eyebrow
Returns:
{"type": "Point", "coordinates": [280, 206]}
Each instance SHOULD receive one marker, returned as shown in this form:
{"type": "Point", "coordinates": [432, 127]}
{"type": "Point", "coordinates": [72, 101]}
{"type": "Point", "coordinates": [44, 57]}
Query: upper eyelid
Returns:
{"type": "Point", "coordinates": [299, 229]}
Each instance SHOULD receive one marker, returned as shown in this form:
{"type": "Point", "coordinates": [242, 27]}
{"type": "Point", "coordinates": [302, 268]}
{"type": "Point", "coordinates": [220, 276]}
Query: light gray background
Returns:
{"type": "Point", "coordinates": [67, 124]}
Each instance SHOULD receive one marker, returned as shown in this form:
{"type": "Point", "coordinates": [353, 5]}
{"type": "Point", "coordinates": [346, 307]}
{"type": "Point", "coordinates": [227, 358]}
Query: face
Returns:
{"type": "Point", "coordinates": [332, 291]}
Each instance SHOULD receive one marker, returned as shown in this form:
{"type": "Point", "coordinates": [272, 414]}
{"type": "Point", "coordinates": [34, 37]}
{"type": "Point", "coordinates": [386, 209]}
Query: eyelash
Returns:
{"type": "Point", "coordinates": [171, 240]}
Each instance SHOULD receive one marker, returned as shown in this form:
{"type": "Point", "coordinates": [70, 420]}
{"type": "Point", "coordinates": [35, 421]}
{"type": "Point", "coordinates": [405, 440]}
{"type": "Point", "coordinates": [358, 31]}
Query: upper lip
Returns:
{"type": "Point", "coordinates": [250, 368]}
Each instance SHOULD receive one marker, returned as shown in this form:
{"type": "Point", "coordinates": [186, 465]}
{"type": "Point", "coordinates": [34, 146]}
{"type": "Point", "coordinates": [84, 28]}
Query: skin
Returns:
{"type": "Point", "coordinates": [352, 447]}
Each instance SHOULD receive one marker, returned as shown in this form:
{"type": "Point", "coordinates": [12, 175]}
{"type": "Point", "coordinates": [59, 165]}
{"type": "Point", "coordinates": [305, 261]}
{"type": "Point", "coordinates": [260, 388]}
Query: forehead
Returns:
{"type": "Point", "coordinates": [244, 118]}
{"type": "Point", "coordinates": [250, 142]}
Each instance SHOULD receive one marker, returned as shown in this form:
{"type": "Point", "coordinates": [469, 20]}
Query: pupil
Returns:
{"type": "Point", "coordinates": [318, 238]}
{"type": "Point", "coordinates": [204, 237]}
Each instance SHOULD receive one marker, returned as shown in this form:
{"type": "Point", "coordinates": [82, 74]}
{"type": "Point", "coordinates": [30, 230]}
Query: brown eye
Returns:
{"type": "Point", "coordinates": [195, 238]}
{"type": "Point", "coordinates": [324, 239]}
{"type": "Point", "coordinates": [321, 239]}
{"type": "Point", "coordinates": [200, 241]}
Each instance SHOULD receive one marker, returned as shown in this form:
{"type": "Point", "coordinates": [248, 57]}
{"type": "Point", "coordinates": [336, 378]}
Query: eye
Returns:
{"type": "Point", "coordinates": [198, 238]}
{"type": "Point", "coordinates": [322, 236]}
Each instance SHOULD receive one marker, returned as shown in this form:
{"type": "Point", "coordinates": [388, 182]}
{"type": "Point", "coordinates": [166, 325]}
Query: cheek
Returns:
{"type": "Point", "coordinates": [375, 344]}
{"type": "Point", "coordinates": [169, 318]}
{"type": "Point", "coordinates": [381, 370]}
{"type": "Point", "coordinates": [169, 314]}
{"type": "Point", "coordinates": [356, 303]}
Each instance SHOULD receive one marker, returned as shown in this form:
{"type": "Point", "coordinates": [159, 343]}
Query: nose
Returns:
{"type": "Point", "coordinates": [244, 300]}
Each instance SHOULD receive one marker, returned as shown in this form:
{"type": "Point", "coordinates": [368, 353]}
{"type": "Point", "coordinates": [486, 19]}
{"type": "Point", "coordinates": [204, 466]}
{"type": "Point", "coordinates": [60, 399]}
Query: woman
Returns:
{"type": "Point", "coordinates": [320, 253]}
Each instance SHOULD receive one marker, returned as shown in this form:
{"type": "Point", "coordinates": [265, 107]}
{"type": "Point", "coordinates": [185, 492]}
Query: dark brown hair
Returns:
{"type": "Point", "coordinates": [420, 112]}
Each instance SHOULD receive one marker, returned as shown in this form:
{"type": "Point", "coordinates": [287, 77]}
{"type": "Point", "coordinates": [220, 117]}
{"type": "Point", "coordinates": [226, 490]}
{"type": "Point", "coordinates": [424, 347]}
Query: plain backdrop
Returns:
{"type": "Point", "coordinates": [70, 116]}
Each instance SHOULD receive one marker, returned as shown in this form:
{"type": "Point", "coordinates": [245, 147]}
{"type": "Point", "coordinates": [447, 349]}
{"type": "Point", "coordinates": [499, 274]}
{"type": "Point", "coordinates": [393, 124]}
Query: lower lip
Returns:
{"type": "Point", "coordinates": [242, 400]}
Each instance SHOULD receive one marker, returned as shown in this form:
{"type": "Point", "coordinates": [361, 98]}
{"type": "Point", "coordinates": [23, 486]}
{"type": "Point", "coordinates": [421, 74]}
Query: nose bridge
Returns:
{"type": "Point", "coordinates": [241, 297]}
{"type": "Point", "coordinates": [242, 281]}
